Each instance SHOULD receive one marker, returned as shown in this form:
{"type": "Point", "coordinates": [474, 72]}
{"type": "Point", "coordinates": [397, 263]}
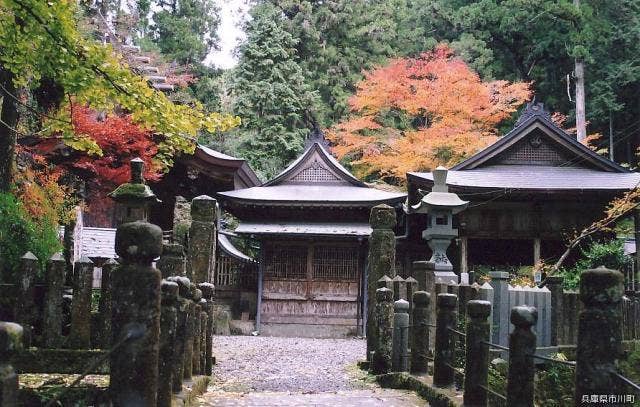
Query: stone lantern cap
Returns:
{"type": "Point", "coordinates": [135, 191]}
{"type": "Point", "coordinates": [440, 198]}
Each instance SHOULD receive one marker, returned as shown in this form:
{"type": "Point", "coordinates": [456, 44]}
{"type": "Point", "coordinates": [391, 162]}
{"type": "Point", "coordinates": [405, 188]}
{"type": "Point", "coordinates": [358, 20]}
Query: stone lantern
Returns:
{"type": "Point", "coordinates": [439, 205]}
{"type": "Point", "coordinates": [134, 197]}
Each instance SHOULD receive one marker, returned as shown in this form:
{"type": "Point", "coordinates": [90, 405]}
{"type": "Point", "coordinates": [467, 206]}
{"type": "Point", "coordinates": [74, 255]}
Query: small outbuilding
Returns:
{"type": "Point", "coordinates": [311, 222]}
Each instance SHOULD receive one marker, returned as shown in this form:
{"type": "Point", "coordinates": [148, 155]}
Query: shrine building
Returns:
{"type": "Point", "coordinates": [528, 193]}
{"type": "Point", "coordinates": [311, 222]}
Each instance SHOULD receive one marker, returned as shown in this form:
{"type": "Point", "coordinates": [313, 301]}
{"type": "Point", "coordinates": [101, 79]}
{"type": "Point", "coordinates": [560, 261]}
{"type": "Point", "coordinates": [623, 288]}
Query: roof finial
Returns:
{"type": "Point", "coordinates": [532, 109]}
{"type": "Point", "coordinates": [316, 136]}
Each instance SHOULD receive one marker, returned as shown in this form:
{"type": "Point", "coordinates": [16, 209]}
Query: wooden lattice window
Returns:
{"type": "Point", "coordinates": [315, 173]}
{"type": "Point", "coordinates": [288, 262]}
{"type": "Point", "coordinates": [335, 262]}
{"type": "Point", "coordinates": [534, 150]}
{"type": "Point", "coordinates": [226, 274]}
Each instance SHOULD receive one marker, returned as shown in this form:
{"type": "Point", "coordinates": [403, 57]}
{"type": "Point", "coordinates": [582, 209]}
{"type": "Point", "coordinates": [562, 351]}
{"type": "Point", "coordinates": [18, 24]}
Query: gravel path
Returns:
{"type": "Point", "coordinates": [266, 371]}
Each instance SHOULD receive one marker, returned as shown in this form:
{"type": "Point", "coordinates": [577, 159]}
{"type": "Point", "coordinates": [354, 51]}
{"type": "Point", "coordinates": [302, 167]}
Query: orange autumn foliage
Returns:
{"type": "Point", "coordinates": [417, 113]}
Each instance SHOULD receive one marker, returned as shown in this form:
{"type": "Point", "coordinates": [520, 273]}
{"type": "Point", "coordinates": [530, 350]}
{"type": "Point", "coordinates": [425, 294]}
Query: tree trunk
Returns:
{"type": "Point", "coordinates": [8, 123]}
{"type": "Point", "coordinates": [581, 123]}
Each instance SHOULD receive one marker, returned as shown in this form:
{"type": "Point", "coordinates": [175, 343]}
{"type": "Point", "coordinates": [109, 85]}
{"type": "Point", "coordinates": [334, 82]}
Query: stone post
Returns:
{"type": "Point", "coordinates": [204, 322]}
{"type": "Point", "coordinates": [419, 271]}
{"type": "Point", "coordinates": [10, 341]}
{"type": "Point", "coordinates": [386, 282]}
{"type": "Point", "coordinates": [400, 349]}
{"type": "Point", "coordinates": [172, 261]}
{"type": "Point", "coordinates": [382, 260]}
{"type": "Point", "coordinates": [25, 311]}
{"type": "Point", "coordinates": [190, 326]}
{"type": "Point", "coordinates": [52, 319]}
{"type": "Point", "coordinates": [197, 328]}
{"type": "Point", "coordinates": [168, 322]}
{"type": "Point", "coordinates": [104, 306]}
{"type": "Point", "coordinates": [383, 321]}
{"type": "Point", "coordinates": [411, 287]}
{"type": "Point", "coordinates": [599, 334]}
{"type": "Point", "coordinates": [181, 221]}
{"type": "Point", "coordinates": [136, 307]}
{"type": "Point", "coordinates": [476, 372]}
{"type": "Point", "coordinates": [399, 288]}
{"type": "Point", "coordinates": [420, 332]}
{"type": "Point", "coordinates": [500, 284]}
{"type": "Point", "coordinates": [208, 291]}
{"type": "Point", "coordinates": [80, 337]}
{"type": "Point", "coordinates": [202, 239]}
{"type": "Point", "coordinates": [446, 317]}
{"type": "Point", "coordinates": [184, 287]}
{"type": "Point", "coordinates": [522, 344]}
{"type": "Point", "coordinates": [554, 284]}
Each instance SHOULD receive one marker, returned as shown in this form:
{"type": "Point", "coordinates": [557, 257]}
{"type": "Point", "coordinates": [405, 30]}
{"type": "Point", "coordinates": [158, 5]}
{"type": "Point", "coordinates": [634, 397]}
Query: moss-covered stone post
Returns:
{"type": "Point", "coordinates": [197, 328]}
{"type": "Point", "coordinates": [181, 221]}
{"type": "Point", "coordinates": [204, 317]}
{"type": "Point", "coordinates": [25, 309]}
{"type": "Point", "coordinates": [400, 343]}
{"type": "Point", "coordinates": [52, 318]}
{"type": "Point", "coordinates": [184, 291]}
{"type": "Point", "coordinates": [446, 319]}
{"type": "Point", "coordinates": [599, 334]}
{"type": "Point", "coordinates": [202, 239]}
{"type": "Point", "coordinates": [419, 270]}
{"type": "Point", "coordinates": [522, 344]}
{"type": "Point", "coordinates": [172, 262]}
{"type": "Point", "coordinates": [10, 341]}
{"type": "Point", "coordinates": [554, 284]}
{"type": "Point", "coordinates": [383, 321]}
{"type": "Point", "coordinates": [190, 326]}
{"type": "Point", "coordinates": [476, 372]}
{"type": "Point", "coordinates": [104, 306]}
{"type": "Point", "coordinates": [208, 291]}
{"type": "Point", "coordinates": [80, 337]}
{"type": "Point", "coordinates": [420, 332]}
{"type": "Point", "coordinates": [136, 307]}
{"type": "Point", "coordinates": [381, 259]}
{"type": "Point", "coordinates": [168, 322]}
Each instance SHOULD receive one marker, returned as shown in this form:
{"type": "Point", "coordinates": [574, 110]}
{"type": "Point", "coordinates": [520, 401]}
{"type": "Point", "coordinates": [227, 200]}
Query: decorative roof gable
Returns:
{"type": "Point", "coordinates": [536, 140]}
{"type": "Point", "coordinates": [316, 165]}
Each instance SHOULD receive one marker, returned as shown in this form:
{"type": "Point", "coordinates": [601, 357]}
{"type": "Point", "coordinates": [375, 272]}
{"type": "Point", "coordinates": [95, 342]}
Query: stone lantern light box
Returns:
{"type": "Point", "coordinates": [439, 205]}
{"type": "Point", "coordinates": [134, 197]}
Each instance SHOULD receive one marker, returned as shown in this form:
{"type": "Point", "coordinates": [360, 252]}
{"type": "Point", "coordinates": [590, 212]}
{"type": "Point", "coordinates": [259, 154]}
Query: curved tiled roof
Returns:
{"type": "Point", "coordinates": [526, 177]}
{"type": "Point", "coordinates": [313, 194]}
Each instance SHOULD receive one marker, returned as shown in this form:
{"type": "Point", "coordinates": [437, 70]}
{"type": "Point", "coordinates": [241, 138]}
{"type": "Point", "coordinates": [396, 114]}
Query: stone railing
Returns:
{"type": "Point", "coordinates": [599, 343]}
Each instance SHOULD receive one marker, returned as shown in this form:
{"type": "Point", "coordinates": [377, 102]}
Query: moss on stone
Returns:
{"type": "Point", "coordinates": [435, 397]}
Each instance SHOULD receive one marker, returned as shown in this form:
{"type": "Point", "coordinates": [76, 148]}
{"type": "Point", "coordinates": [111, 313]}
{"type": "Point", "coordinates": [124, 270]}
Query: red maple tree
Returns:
{"type": "Point", "coordinates": [417, 113]}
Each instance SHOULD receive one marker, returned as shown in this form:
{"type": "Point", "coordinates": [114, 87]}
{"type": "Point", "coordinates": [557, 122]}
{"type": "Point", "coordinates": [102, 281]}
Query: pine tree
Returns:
{"type": "Point", "coordinates": [270, 94]}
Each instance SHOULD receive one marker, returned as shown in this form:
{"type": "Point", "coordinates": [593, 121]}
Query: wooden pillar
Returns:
{"type": "Point", "coordinates": [536, 250]}
{"type": "Point", "coordinates": [636, 268]}
{"type": "Point", "coordinates": [464, 254]}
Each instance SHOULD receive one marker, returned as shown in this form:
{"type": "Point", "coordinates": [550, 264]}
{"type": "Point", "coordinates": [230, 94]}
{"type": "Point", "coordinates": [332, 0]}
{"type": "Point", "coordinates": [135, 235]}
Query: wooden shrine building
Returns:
{"type": "Point", "coordinates": [312, 225]}
{"type": "Point", "coordinates": [528, 192]}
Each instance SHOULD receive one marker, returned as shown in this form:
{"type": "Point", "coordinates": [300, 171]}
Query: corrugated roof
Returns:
{"type": "Point", "coordinates": [314, 194]}
{"type": "Point", "coordinates": [99, 242]}
{"type": "Point", "coordinates": [332, 229]}
{"type": "Point", "coordinates": [530, 177]}
{"type": "Point", "coordinates": [230, 249]}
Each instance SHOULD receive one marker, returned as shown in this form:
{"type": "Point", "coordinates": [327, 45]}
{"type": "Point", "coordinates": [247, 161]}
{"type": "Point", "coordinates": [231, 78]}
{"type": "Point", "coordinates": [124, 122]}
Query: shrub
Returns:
{"type": "Point", "coordinates": [609, 254]}
{"type": "Point", "coordinates": [20, 233]}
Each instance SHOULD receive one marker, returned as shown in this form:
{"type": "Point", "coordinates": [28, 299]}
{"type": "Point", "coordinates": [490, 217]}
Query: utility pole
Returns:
{"type": "Point", "coordinates": [581, 124]}
{"type": "Point", "coordinates": [610, 135]}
